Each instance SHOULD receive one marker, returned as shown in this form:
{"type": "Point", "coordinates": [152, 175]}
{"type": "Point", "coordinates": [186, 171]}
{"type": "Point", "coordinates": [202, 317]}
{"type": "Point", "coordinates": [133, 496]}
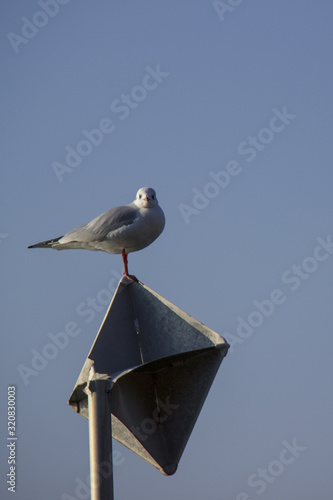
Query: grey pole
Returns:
{"type": "Point", "coordinates": [100, 440]}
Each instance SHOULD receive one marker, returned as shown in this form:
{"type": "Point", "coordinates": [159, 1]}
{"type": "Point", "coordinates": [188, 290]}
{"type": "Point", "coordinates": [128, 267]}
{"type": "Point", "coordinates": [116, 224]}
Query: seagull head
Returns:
{"type": "Point", "coordinates": [146, 198]}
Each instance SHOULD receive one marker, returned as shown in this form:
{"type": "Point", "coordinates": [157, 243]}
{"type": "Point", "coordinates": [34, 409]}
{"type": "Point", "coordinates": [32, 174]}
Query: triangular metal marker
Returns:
{"type": "Point", "coordinates": [160, 363]}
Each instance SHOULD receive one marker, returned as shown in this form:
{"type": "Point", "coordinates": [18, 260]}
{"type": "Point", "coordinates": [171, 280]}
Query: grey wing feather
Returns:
{"type": "Point", "coordinates": [101, 226]}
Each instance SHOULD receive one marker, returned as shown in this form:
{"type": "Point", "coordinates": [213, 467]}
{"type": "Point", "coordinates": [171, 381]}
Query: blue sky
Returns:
{"type": "Point", "coordinates": [229, 118]}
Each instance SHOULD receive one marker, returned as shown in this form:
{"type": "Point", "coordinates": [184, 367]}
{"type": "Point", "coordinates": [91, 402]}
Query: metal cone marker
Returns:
{"type": "Point", "coordinates": [150, 369]}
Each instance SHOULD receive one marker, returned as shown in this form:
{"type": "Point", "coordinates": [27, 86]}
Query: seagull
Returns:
{"type": "Point", "coordinates": [120, 230]}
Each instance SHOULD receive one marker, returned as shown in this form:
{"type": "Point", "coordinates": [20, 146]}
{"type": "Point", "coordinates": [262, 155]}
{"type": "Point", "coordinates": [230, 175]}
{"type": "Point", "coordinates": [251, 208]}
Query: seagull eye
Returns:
{"type": "Point", "coordinates": [140, 196]}
{"type": "Point", "coordinates": [153, 197]}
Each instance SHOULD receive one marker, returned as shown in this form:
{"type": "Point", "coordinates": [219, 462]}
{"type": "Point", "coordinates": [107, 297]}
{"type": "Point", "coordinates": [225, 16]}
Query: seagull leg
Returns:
{"type": "Point", "coordinates": [124, 256]}
{"type": "Point", "coordinates": [130, 276]}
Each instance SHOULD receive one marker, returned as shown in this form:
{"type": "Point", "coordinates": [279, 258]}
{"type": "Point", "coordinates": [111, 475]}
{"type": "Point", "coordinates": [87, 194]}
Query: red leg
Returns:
{"type": "Point", "coordinates": [130, 276]}
{"type": "Point", "coordinates": [124, 256]}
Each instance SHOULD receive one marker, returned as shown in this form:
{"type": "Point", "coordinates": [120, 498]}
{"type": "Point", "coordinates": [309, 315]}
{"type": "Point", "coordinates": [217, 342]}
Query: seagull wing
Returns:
{"type": "Point", "coordinates": [100, 227]}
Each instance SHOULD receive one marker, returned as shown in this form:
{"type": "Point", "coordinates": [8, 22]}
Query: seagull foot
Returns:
{"type": "Point", "coordinates": [132, 277]}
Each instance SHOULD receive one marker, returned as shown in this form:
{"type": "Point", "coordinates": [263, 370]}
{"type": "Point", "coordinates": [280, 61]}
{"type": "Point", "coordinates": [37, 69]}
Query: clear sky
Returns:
{"type": "Point", "coordinates": [225, 108]}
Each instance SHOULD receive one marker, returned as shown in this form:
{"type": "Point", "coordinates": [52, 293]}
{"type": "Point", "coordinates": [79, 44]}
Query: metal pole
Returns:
{"type": "Point", "coordinates": [100, 440]}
